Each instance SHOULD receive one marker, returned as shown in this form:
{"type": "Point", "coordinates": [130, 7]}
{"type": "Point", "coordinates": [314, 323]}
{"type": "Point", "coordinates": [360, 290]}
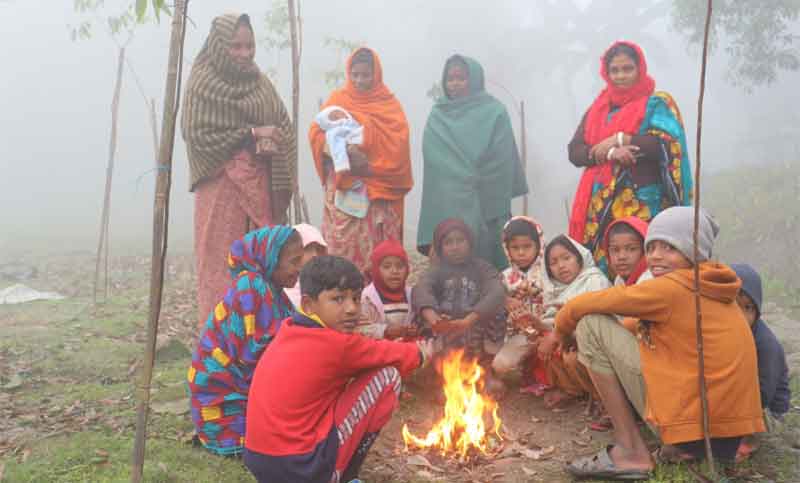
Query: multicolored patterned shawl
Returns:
{"type": "Point", "coordinates": [236, 334]}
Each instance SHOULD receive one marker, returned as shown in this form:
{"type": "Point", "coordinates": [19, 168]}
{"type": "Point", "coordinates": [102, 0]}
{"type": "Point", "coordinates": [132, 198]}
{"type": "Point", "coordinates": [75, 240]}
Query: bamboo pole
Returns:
{"type": "Point", "coordinates": [102, 244]}
{"type": "Point", "coordinates": [699, 316]}
{"type": "Point", "coordinates": [524, 136]}
{"type": "Point", "coordinates": [154, 128]}
{"type": "Point", "coordinates": [293, 21]}
{"type": "Point", "coordinates": [160, 225]}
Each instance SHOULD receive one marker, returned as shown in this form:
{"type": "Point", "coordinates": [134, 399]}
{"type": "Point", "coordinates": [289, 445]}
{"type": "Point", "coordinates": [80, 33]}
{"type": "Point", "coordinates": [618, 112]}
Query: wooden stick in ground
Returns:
{"type": "Point", "coordinates": [699, 317]}
{"type": "Point", "coordinates": [154, 128]}
{"type": "Point", "coordinates": [524, 136]}
{"type": "Point", "coordinates": [295, 107]}
{"type": "Point", "coordinates": [102, 244]}
{"type": "Point", "coordinates": [160, 223]}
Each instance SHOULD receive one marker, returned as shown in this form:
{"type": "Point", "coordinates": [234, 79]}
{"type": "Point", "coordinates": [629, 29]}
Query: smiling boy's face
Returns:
{"type": "Point", "coordinates": [663, 258]}
{"type": "Point", "coordinates": [338, 309]}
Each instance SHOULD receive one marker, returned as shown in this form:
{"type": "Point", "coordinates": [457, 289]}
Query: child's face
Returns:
{"type": "Point", "coordinates": [624, 252]}
{"type": "Point", "coordinates": [663, 258]}
{"type": "Point", "coordinates": [290, 261]}
{"type": "Point", "coordinates": [522, 251]}
{"type": "Point", "coordinates": [393, 271]}
{"type": "Point", "coordinates": [312, 250]}
{"type": "Point", "coordinates": [338, 309]}
{"type": "Point", "coordinates": [455, 247]}
{"type": "Point", "coordinates": [563, 264]}
{"type": "Point", "coordinates": [748, 307]}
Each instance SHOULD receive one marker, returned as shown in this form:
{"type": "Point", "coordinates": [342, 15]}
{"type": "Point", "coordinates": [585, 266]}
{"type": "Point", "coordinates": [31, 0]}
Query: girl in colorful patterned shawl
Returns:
{"type": "Point", "coordinates": [523, 242]}
{"type": "Point", "coordinates": [632, 144]}
{"type": "Point", "coordinates": [237, 331]}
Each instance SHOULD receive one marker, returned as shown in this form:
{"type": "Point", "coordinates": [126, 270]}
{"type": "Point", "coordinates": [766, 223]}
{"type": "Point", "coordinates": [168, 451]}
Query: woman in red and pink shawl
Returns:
{"type": "Point", "coordinates": [632, 146]}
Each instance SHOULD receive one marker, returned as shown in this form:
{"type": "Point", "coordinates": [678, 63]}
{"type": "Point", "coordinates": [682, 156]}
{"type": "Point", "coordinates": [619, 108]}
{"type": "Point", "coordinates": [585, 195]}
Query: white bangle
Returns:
{"type": "Point", "coordinates": [620, 139]}
{"type": "Point", "coordinates": [610, 152]}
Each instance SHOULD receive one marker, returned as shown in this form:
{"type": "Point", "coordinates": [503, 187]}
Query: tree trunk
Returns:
{"type": "Point", "coordinates": [102, 244]}
{"type": "Point", "coordinates": [160, 224]}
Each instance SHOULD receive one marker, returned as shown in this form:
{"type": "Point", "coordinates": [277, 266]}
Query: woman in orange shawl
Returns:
{"type": "Point", "coordinates": [382, 163]}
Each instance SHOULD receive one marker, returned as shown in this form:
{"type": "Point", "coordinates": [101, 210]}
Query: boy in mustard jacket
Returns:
{"type": "Point", "coordinates": [656, 368]}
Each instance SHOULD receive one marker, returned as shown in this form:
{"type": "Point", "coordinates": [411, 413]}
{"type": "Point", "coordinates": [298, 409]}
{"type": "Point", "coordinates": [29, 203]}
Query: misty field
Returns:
{"type": "Point", "coordinates": [68, 371]}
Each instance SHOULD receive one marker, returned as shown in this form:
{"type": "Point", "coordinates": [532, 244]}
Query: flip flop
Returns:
{"type": "Point", "coordinates": [601, 467]}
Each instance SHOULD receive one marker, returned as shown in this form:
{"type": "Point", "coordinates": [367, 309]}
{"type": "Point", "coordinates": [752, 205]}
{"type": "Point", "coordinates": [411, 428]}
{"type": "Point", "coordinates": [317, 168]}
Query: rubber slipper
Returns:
{"type": "Point", "coordinates": [601, 467]}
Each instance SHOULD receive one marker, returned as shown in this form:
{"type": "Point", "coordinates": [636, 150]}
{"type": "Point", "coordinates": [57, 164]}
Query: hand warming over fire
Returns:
{"type": "Point", "coordinates": [446, 325]}
{"type": "Point", "coordinates": [547, 345]}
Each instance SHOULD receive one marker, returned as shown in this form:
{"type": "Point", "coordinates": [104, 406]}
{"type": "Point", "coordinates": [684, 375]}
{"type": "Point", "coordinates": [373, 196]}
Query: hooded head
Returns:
{"type": "Point", "coordinates": [518, 229]}
{"type": "Point", "coordinates": [628, 236]}
{"type": "Point", "coordinates": [313, 243]}
{"type": "Point", "coordinates": [262, 251]}
{"type": "Point", "coordinates": [629, 80]}
{"type": "Point", "coordinates": [390, 277]}
{"type": "Point", "coordinates": [462, 247]}
{"type": "Point", "coordinates": [675, 226]}
{"type": "Point", "coordinates": [588, 278]}
{"type": "Point", "coordinates": [223, 51]}
{"type": "Point", "coordinates": [751, 284]}
{"type": "Point", "coordinates": [462, 77]}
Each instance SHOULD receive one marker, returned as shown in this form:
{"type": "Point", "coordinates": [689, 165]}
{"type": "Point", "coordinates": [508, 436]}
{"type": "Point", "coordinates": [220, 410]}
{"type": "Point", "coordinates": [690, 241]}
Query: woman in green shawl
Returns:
{"type": "Point", "coordinates": [472, 167]}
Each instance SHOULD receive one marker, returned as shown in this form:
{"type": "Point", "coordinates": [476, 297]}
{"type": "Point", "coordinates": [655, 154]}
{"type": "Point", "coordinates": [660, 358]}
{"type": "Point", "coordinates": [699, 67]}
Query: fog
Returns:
{"type": "Point", "coordinates": [55, 97]}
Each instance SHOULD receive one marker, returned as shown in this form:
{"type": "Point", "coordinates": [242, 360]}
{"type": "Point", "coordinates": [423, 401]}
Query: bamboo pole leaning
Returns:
{"type": "Point", "coordinates": [102, 244]}
{"type": "Point", "coordinates": [293, 32]}
{"type": "Point", "coordinates": [524, 145]}
{"type": "Point", "coordinates": [699, 317]}
{"type": "Point", "coordinates": [160, 225]}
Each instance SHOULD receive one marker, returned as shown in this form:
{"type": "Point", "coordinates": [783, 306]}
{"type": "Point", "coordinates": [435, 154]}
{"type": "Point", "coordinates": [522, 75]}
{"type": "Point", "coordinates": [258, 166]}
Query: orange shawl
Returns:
{"type": "Point", "coordinates": [386, 137]}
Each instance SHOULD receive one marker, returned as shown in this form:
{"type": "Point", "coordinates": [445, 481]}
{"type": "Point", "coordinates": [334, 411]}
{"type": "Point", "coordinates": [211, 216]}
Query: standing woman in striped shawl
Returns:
{"type": "Point", "coordinates": [240, 147]}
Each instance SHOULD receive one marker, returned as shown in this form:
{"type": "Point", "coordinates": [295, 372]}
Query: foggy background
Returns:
{"type": "Point", "coordinates": [55, 97]}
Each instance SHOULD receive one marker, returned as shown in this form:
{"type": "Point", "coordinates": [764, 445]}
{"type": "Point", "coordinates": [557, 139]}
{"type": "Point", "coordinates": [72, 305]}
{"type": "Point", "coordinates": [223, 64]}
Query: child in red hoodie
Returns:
{"type": "Point", "coordinates": [321, 394]}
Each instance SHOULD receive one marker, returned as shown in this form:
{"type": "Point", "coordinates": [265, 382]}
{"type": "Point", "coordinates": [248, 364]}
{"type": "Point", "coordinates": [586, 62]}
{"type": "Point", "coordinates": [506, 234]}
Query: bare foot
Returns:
{"type": "Point", "coordinates": [623, 458]}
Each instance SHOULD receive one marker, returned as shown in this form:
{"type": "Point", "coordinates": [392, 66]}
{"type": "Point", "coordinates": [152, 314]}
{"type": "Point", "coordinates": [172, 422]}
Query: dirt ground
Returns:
{"type": "Point", "coordinates": [67, 394]}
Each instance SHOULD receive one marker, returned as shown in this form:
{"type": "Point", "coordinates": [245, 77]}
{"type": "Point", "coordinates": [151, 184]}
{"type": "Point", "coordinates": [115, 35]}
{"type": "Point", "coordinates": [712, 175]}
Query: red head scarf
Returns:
{"type": "Point", "coordinates": [641, 228]}
{"type": "Point", "coordinates": [631, 105]}
{"type": "Point", "coordinates": [388, 248]}
{"type": "Point", "coordinates": [386, 135]}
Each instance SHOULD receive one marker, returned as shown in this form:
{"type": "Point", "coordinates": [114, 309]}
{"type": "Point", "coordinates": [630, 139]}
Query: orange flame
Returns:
{"type": "Point", "coordinates": [463, 425]}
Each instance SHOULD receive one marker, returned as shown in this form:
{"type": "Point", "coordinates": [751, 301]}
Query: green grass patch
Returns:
{"type": "Point", "coordinates": [100, 456]}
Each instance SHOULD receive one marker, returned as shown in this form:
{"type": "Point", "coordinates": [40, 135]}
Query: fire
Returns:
{"type": "Point", "coordinates": [463, 426]}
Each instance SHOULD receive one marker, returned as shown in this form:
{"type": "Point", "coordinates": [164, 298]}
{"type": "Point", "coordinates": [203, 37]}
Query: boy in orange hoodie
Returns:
{"type": "Point", "coordinates": [656, 370]}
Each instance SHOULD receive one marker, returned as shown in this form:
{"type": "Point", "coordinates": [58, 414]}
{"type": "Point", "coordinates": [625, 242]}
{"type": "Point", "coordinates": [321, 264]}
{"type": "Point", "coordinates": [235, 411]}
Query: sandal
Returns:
{"type": "Point", "coordinates": [600, 466]}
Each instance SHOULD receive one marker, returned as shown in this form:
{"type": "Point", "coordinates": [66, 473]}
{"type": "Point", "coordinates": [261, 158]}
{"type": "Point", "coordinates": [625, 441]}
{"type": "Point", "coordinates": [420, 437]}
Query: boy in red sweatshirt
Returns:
{"type": "Point", "coordinates": [321, 394]}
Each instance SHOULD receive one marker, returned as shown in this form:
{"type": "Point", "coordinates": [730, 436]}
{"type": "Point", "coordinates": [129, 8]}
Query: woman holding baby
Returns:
{"type": "Point", "coordinates": [364, 201]}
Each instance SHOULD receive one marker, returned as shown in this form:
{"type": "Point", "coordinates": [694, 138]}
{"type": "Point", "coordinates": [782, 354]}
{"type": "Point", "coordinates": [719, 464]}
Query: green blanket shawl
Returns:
{"type": "Point", "coordinates": [472, 167]}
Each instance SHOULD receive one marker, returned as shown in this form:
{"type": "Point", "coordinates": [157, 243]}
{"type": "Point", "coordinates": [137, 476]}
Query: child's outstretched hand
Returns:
{"type": "Point", "coordinates": [394, 332]}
